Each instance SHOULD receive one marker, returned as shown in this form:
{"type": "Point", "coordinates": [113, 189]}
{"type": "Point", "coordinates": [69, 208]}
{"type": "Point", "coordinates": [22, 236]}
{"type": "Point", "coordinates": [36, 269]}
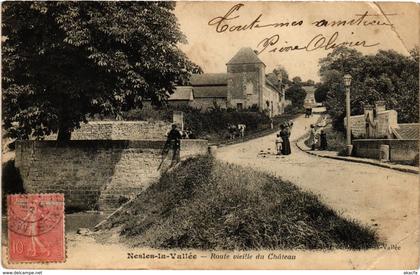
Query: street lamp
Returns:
{"type": "Point", "coordinates": [347, 83]}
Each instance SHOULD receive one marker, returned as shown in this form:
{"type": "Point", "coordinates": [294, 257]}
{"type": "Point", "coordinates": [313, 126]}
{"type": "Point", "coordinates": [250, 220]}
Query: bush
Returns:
{"type": "Point", "coordinates": [211, 124]}
{"type": "Point", "coordinates": [292, 110]}
{"type": "Point", "coordinates": [206, 204]}
{"type": "Point", "coordinates": [148, 113]}
{"type": "Point", "coordinates": [336, 140]}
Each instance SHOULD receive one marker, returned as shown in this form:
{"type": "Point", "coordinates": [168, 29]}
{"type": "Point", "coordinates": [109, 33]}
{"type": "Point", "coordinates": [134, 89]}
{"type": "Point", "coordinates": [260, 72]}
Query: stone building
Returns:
{"type": "Point", "coordinates": [309, 101]}
{"type": "Point", "coordinates": [243, 86]}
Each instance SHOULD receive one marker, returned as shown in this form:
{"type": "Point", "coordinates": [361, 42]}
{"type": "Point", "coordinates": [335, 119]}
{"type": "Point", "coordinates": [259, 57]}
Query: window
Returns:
{"type": "Point", "coordinates": [239, 106]}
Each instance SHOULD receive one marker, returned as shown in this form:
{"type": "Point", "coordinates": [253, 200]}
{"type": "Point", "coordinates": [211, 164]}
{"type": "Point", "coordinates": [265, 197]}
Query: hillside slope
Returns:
{"type": "Point", "coordinates": [207, 204]}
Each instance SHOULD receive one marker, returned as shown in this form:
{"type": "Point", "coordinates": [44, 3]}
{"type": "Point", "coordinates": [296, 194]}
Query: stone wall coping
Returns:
{"type": "Point", "coordinates": [356, 116]}
{"type": "Point", "coordinates": [125, 122]}
{"type": "Point", "coordinates": [101, 143]}
{"type": "Point", "coordinates": [378, 113]}
{"type": "Point", "coordinates": [386, 112]}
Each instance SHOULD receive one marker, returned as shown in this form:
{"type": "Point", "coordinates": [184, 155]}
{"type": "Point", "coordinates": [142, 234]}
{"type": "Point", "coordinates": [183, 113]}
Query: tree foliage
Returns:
{"type": "Point", "coordinates": [297, 80]}
{"type": "Point", "coordinates": [282, 75]}
{"type": "Point", "coordinates": [321, 90]}
{"type": "Point", "coordinates": [64, 61]}
{"type": "Point", "coordinates": [387, 75]}
{"type": "Point", "coordinates": [296, 94]}
{"type": "Point", "coordinates": [309, 82]}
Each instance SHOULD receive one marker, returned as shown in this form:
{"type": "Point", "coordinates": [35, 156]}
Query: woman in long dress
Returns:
{"type": "Point", "coordinates": [284, 134]}
{"type": "Point", "coordinates": [313, 137]}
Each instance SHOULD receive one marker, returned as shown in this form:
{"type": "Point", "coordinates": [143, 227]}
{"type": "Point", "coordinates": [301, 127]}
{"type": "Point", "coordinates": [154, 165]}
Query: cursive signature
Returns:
{"type": "Point", "coordinates": [318, 42]}
{"type": "Point", "coordinates": [227, 22]}
{"type": "Point", "coordinates": [222, 23]}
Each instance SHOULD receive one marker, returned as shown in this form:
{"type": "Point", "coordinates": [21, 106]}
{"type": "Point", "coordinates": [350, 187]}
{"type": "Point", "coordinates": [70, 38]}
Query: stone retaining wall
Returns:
{"type": "Point", "coordinates": [95, 174]}
{"type": "Point", "coordinates": [400, 150]}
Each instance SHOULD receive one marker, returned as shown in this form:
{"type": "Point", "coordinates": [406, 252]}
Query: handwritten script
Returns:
{"type": "Point", "coordinates": [228, 23]}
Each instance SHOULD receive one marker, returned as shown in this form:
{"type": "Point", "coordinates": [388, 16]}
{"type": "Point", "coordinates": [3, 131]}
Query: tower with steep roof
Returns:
{"type": "Point", "coordinates": [245, 80]}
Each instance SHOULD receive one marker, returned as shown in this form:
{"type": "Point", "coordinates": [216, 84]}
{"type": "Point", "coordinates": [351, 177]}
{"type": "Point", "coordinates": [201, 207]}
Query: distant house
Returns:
{"type": "Point", "coordinates": [210, 90]}
{"type": "Point", "coordinates": [243, 86]}
{"type": "Point", "coordinates": [310, 96]}
{"type": "Point", "coordinates": [183, 95]}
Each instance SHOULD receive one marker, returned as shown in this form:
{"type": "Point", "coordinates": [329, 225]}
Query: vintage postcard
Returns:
{"type": "Point", "coordinates": [210, 135]}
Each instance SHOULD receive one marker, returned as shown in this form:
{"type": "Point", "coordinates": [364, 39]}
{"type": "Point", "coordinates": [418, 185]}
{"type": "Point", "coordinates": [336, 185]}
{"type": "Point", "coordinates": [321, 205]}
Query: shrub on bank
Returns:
{"type": "Point", "coordinates": [207, 204]}
{"type": "Point", "coordinates": [211, 124]}
{"type": "Point", "coordinates": [293, 110]}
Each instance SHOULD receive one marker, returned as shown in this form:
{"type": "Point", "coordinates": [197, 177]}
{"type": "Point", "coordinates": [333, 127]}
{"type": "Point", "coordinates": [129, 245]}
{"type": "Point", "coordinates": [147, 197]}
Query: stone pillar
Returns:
{"type": "Point", "coordinates": [384, 152]}
{"type": "Point", "coordinates": [178, 119]}
{"type": "Point", "coordinates": [380, 106]}
{"type": "Point", "coordinates": [369, 117]}
{"type": "Point", "coordinates": [368, 109]}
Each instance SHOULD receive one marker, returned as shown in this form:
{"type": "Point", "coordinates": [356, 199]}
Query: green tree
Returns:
{"type": "Point", "coordinates": [321, 90]}
{"type": "Point", "coordinates": [309, 82]}
{"type": "Point", "coordinates": [273, 79]}
{"type": "Point", "coordinates": [296, 94]}
{"type": "Point", "coordinates": [282, 75]}
{"type": "Point", "coordinates": [297, 80]}
{"type": "Point", "coordinates": [66, 61]}
{"type": "Point", "coordinates": [387, 76]}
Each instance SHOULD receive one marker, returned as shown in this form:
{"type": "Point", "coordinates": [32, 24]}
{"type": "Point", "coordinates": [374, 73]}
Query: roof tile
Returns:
{"type": "Point", "coordinates": [208, 79]}
{"type": "Point", "coordinates": [408, 130]}
{"type": "Point", "coordinates": [182, 93]}
{"type": "Point", "coordinates": [210, 91]}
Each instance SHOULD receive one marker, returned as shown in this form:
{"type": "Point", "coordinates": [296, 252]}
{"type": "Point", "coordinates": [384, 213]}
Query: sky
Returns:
{"type": "Point", "coordinates": [211, 46]}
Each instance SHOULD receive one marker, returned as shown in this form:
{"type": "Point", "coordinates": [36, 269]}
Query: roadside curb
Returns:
{"type": "Point", "coordinates": [301, 145]}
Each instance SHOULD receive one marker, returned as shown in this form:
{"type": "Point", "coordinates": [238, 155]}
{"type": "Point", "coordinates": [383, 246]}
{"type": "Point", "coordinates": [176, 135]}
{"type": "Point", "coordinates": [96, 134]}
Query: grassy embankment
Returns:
{"type": "Point", "coordinates": [206, 204]}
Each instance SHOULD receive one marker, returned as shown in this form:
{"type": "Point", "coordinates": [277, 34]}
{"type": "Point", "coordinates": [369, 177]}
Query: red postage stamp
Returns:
{"type": "Point", "coordinates": [36, 228]}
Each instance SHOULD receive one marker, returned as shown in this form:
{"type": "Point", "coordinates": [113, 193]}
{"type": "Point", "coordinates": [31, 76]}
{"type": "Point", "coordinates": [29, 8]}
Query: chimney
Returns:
{"type": "Point", "coordinates": [380, 106]}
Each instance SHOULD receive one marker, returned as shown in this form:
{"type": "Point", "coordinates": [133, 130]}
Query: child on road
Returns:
{"type": "Point", "coordinates": [279, 142]}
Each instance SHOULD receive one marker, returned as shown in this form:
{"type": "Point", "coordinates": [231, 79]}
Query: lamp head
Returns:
{"type": "Point", "coordinates": [347, 80]}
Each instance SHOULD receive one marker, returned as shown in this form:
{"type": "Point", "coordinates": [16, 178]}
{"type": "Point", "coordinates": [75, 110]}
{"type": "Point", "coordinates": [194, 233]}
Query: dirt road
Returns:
{"type": "Point", "coordinates": [382, 198]}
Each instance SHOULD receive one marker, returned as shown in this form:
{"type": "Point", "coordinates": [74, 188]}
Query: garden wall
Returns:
{"type": "Point", "coordinates": [384, 120]}
{"type": "Point", "coordinates": [95, 174]}
{"type": "Point", "coordinates": [400, 150]}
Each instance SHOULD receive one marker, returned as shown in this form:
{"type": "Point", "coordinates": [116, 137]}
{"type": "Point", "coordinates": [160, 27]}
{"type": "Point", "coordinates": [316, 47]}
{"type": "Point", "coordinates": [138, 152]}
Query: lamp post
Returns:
{"type": "Point", "coordinates": [347, 83]}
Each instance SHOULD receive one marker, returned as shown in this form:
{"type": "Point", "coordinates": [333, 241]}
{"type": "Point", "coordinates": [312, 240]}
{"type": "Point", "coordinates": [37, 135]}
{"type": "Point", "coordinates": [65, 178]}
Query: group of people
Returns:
{"type": "Point", "coordinates": [236, 130]}
{"type": "Point", "coordinates": [282, 140]}
{"type": "Point", "coordinates": [316, 136]}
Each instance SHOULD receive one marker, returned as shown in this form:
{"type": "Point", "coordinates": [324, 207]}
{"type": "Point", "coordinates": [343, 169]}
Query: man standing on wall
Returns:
{"type": "Point", "coordinates": [174, 142]}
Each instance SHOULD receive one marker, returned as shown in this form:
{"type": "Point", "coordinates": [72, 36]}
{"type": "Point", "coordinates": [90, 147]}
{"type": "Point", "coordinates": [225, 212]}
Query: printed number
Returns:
{"type": "Point", "coordinates": [17, 247]}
